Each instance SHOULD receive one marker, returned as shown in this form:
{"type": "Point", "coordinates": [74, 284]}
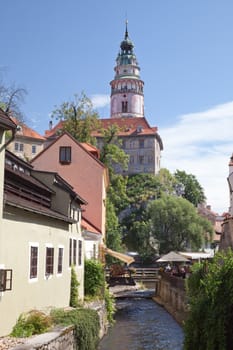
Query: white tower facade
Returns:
{"type": "Point", "coordinates": [127, 98]}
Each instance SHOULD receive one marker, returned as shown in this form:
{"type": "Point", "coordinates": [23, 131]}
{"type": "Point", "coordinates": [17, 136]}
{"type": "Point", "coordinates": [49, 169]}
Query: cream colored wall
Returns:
{"type": "Point", "coordinates": [2, 162]}
{"type": "Point", "coordinates": [17, 234]}
{"type": "Point", "coordinates": [27, 151]}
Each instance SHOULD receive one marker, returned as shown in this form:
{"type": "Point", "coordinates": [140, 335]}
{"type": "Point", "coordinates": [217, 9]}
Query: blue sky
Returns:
{"type": "Point", "coordinates": [56, 48]}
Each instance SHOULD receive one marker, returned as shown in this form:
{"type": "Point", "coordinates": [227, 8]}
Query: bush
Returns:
{"type": "Point", "coordinates": [93, 278]}
{"type": "Point", "coordinates": [74, 284]}
{"type": "Point", "coordinates": [33, 322]}
{"type": "Point", "coordinates": [210, 293]}
{"type": "Point", "coordinates": [109, 304]}
{"type": "Point", "coordinates": [86, 323]}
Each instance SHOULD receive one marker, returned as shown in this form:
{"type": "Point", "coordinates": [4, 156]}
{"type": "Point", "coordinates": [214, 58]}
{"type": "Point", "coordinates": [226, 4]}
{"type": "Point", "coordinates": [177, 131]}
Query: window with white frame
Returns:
{"type": "Point", "coordinates": [49, 262]}
{"type": "Point", "coordinates": [80, 252]}
{"type": "Point", "coordinates": [60, 259]}
{"type": "Point", "coordinates": [33, 149]}
{"type": "Point", "coordinates": [33, 269]}
{"type": "Point", "coordinates": [72, 251]}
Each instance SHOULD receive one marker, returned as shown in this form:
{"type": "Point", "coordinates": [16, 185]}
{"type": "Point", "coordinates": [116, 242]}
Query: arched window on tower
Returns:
{"type": "Point", "coordinates": [124, 105]}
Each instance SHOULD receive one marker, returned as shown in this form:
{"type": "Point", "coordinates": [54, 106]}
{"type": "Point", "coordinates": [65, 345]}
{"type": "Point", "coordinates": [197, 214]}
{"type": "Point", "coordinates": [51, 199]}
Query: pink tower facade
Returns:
{"type": "Point", "coordinates": [127, 98]}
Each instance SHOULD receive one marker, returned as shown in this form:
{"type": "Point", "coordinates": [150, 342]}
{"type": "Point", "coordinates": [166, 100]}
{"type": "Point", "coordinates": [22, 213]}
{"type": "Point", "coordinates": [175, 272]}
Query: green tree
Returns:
{"type": "Point", "coordinates": [113, 229]}
{"type": "Point", "coordinates": [111, 152]}
{"type": "Point", "coordinates": [79, 117]}
{"type": "Point", "coordinates": [176, 224]}
{"type": "Point", "coordinates": [210, 293]}
{"type": "Point", "coordinates": [192, 189]}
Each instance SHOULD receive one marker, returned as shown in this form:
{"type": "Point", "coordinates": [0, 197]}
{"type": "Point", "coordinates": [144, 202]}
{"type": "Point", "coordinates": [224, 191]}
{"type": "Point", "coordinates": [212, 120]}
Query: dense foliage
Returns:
{"type": "Point", "coordinates": [176, 225]}
{"type": "Point", "coordinates": [86, 323]}
{"type": "Point", "coordinates": [191, 189]}
{"type": "Point", "coordinates": [210, 293]}
{"type": "Point", "coordinates": [93, 278]}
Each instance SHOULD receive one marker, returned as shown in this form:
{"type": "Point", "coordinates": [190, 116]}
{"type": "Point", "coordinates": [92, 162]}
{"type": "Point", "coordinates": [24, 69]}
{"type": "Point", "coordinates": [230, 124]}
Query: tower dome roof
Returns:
{"type": "Point", "coordinates": [127, 45]}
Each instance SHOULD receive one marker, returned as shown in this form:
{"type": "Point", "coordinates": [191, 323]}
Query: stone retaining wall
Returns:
{"type": "Point", "coordinates": [170, 293]}
{"type": "Point", "coordinates": [63, 338]}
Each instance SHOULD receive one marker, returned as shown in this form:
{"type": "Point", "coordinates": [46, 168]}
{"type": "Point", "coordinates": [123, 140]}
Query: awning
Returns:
{"type": "Point", "coordinates": [123, 257]}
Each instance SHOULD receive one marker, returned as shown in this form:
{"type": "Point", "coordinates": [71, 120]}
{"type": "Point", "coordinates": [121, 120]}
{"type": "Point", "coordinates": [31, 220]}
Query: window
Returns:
{"type": "Point", "coordinates": [141, 143]}
{"type": "Point", "coordinates": [80, 248]}
{"type": "Point", "coordinates": [70, 252]}
{"type": "Point", "coordinates": [33, 149]}
{"type": "Point", "coordinates": [60, 260]}
{"type": "Point", "coordinates": [49, 261]}
{"type": "Point", "coordinates": [74, 251]}
{"type": "Point", "coordinates": [5, 280]}
{"type": "Point", "coordinates": [65, 155]}
{"type": "Point", "coordinates": [33, 262]}
{"type": "Point", "coordinates": [131, 160]}
{"type": "Point", "coordinates": [141, 159]}
{"type": "Point", "coordinates": [124, 105]}
{"type": "Point", "coordinates": [19, 147]}
{"type": "Point", "coordinates": [150, 159]}
{"type": "Point", "coordinates": [94, 251]}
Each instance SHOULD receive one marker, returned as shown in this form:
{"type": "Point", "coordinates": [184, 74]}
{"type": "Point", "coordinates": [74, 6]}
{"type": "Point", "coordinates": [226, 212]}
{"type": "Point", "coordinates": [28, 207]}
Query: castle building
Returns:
{"type": "Point", "coordinates": [139, 140]}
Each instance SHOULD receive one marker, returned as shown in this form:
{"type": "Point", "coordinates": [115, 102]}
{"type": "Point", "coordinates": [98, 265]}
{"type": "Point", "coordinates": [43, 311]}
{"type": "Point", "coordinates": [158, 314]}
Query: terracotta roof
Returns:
{"type": "Point", "coordinates": [26, 131]}
{"type": "Point", "coordinates": [128, 126]}
{"type": "Point", "coordinates": [52, 131]}
{"type": "Point", "coordinates": [93, 150]}
{"type": "Point", "coordinates": [6, 122]}
{"type": "Point", "coordinates": [86, 225]}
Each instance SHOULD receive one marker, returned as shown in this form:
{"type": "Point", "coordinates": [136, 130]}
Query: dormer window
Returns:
{"type": "Point", "coordinates": [65, 155]}
{"type": "Point", "coordinates": [139, 128]}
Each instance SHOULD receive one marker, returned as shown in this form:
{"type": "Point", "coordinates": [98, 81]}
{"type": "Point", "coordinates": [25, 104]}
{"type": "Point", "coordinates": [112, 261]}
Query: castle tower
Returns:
{"type": "Point", "coordinates": [127, 99]}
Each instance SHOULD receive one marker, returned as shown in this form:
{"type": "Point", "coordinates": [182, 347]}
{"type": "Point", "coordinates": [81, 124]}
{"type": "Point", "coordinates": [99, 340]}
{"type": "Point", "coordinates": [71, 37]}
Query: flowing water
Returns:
{"type": "Point", "coordinates": [141, 324]}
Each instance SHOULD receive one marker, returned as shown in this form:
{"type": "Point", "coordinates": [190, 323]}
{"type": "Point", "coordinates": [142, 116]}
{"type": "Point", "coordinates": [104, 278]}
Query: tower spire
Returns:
{"type": "Point", "coordinates": [126, 29]}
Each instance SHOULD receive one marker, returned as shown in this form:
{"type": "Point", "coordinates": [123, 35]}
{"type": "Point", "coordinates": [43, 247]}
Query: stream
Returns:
{"type": "Point", "coordinates": [142, 324]}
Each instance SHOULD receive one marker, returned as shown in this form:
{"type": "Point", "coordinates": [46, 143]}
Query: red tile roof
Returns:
{"type": "Point", "coordinates": [128, 126]}
{"type": "Point", "coordinates": [86, 225]}
{"type": "Point", "coordinates": [52, 131]}
{"type": "Point", "coordinates": [26, 131]}
{"type": "Point", "coordinates": [93, 150]}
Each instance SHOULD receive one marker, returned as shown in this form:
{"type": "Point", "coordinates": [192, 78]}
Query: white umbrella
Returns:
{"type": "Point", "coordinates": [172, 257]}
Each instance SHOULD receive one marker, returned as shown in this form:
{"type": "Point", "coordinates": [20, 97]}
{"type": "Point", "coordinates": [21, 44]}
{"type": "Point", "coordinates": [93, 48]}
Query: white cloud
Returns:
{"type": "Point", "coordinates": [201, 144]}
{"type": "Point", "coordinates": [100, 101]}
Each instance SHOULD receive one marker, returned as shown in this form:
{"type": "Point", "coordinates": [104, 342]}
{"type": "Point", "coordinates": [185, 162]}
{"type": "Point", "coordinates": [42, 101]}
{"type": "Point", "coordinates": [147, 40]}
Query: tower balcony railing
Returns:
{"type": "Point", "coordinates": [122, 90]}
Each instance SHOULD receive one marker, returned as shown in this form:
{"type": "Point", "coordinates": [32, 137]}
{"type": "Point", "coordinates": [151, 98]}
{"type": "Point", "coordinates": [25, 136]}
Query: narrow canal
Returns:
{"type": "Point", "coordinates": [141, 324]}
